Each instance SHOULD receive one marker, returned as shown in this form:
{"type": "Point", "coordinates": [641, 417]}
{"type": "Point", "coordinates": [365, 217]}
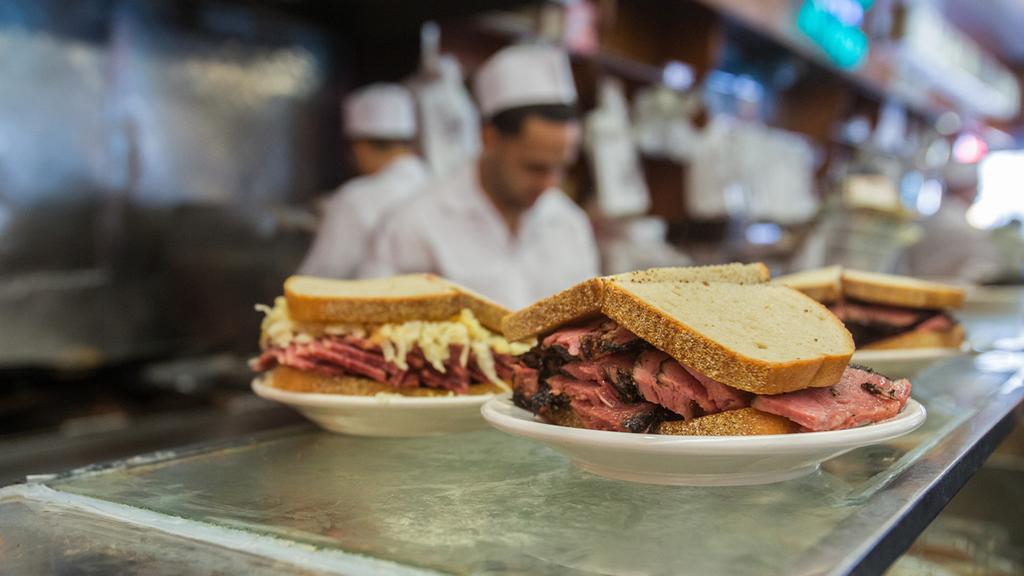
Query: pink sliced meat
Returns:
{"type": "Point", "coordinates": [608, 368]}
{"type": "Point", "coordinates": [861, 397]}
{"type": "Point", "coordinates": [503, 366]}
{"type": "Point", "coordinates": [433, 379]}
{"type": "Point", "coordinates": [722, 396]}
{"type": "Point", "coordinates": [862, 313]}
{"type": "Point", "coordinates": [357, 352]}
{"type": "Point", "coordinates": [348, 356]}
{"type": "Point", "coordinates": [477, 375]}
{"type": "Point", "coordinates": [937, 323]}
{"type": "Point", "coordinates": [591, 371]}
{"type": "Point", "coordinates": [351, 364]}
{"type": "Point", "coordinates": [525, 380]}
{"type": "Point", "coordinates": [569, 338]}
{"type": "Point", "coordinates": [675, 390]}
{"type": "Point", "coordinates": [406, 379]}
{"type": "Point", "coordinates": [614, 336]}
{"type": "Point", "coordinates": [592, 340]}
{"type": "Point", "coordinates": [346, 361]}
{"type": "Point", "coordinates": [599, 407]}
{"type": "Point", "coordinates": [614, 384]}
{"type": "Point", "coordinates": [266, 360]}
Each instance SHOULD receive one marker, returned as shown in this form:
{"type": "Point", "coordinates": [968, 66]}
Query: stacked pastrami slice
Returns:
{"type": "Point", "coordinates": [871, 323]}
{"type": "Point", "coordinates": [350, 356]}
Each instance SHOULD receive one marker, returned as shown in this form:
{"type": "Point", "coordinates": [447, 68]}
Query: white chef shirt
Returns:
{"type": "Point", "coordinates": [353, 213]}
{"type": "Point", "coordinates": [453, 229]}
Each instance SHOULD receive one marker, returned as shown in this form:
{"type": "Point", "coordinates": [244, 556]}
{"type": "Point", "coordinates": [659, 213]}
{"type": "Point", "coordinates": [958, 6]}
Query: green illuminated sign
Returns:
{"type": "Point", "coordinates": [834, 26]}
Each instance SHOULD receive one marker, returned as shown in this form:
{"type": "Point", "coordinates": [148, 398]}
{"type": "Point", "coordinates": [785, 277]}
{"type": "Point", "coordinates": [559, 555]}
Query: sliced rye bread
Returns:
{"type": "Point", "coordinates": [830, 284]}
{"type": "Point", "coordinates": [952, 338]}
{"type": "Point", "coordinates": [822, 284]}
{"type": "Point", "coordinates": [742, 422]}
{"type": "Point", "coordinates": [902, 291]}
{"type": "Point", "coordinates": [584, 299]}
{"type": "Point", "coordinates": [761, 338]}
{"type": "Point", "coordinates": [293, 380]}
{"type": "Point", "coordinates": [385, 300]}
{"type": "Point", "coordinates": [755, 273]}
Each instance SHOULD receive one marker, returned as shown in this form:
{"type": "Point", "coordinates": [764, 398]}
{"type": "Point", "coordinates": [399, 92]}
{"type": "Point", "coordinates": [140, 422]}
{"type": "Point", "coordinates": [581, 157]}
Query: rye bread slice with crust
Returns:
{"type": "Point", "coordinates": [294, 380]}
{"type": "Point", "coordinates": [395, 299]}
{"type": "Point", "coordinates": [742, 422]}
{"type": "Point", "coordinates": [584, 299]}
{"type": "Point", "coordinates": [830, 284]}
{"type": "Point", "coordinates": [951, 338]}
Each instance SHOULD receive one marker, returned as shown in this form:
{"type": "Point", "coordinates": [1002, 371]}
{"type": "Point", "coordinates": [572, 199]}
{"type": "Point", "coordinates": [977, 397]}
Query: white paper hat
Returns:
{"type": "Point", "coordinates": [524, 75]}
{"type": "Point", "coordinates": [380, 111]}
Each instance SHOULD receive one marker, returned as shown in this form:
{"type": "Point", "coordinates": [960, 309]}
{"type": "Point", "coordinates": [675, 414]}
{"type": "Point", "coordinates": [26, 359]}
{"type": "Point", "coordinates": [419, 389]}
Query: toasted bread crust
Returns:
{"type": "Point", "coordinates": [585, 298]}
{"type": "Point", "coordinates": [437, 300]}
{"type": "Point", "coordinates": [952, 338]}
{"type": "Point", "coordinates": [753, 273]}
{"type": "Point", "coordinates": [901, 291]}
{"type": "Point", "coordinates": [564, 417]}
{"type": "Point", "coordinates": [569, 305]}
{"type": "Point", "coordinates": [742, 422]}
{"type": "Point", "coordinates": [292, 380]}
{"type": "Point", "coordinates": [831, 283]}
{"type": "Point", "coordinates": [708, 357]}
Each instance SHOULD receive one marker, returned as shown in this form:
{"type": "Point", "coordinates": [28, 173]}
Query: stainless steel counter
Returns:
{"type": "Point", "coordinates": [483, 502]}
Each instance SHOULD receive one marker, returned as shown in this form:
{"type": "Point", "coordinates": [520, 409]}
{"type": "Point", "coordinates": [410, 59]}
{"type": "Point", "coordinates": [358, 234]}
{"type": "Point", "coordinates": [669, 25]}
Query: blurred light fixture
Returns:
{"type": "Point", "coordinates": [929, 197]}
{"type": "Point", "coordinates": [999, 198]}
{"type": "Point", "coordinates": [748, 89]}
{"type": "Point", "coordinates": [969, 148]}
{"type": "Point", "coordinates": [834, 26]}
{"type": "Point", "coordinates": [856, 130]}
{"type": "Point", "coordinates": [763, 233]}
{"type": "Point", "coordinates": [849, 12]}
{"type": "Point", "coordinates": [677, 76]}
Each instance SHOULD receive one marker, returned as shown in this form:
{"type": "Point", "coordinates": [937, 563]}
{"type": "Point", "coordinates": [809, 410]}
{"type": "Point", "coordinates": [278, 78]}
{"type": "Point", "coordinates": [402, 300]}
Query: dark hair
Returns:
{"type": "Point", "coordinates": [383, 144]}
{"type": "Point", "coordinates": [510, 122]}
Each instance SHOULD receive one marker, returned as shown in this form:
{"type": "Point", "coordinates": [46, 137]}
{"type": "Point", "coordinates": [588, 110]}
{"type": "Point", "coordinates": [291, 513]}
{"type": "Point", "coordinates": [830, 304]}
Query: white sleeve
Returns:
{"type": "Point", "coordinates": [340, 243]}
{"type": "Point", "coordinates": [398, 247]}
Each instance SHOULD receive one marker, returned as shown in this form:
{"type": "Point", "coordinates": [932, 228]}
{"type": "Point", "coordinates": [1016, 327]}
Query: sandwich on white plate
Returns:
{"type": "Point", "coordinates": [403, 355]}
{"type": "Point", "coordinates": [709, 351]}
{"type": "Point", "coordinates": [885, 311]}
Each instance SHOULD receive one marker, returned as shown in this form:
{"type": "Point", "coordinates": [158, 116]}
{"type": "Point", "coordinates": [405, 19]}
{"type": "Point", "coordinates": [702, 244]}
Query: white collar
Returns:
{"type": "Point", "coordinates": [464, 193]}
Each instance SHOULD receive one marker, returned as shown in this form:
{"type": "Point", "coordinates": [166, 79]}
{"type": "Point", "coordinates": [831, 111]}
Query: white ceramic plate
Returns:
{"type": "Point", "coordinates": [697, 460]}
{"type": "Point", "coordinates": [383, 415]}
{"type": "Point", "coordinates": [902, 363]}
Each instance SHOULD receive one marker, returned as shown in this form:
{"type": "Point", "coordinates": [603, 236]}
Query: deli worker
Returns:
{"type": "Point", "coordinates": [501, 225]}
{"type": "Point", "coordinates": [380, 122]}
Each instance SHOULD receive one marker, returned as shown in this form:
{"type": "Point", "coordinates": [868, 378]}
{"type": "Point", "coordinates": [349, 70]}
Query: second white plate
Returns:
{"type": "Point", "coordinates": [902, 363]}
{"type": "Point", "coordinates": [697, 460]}
{"type": "Point", "coordinates": [384, 415]}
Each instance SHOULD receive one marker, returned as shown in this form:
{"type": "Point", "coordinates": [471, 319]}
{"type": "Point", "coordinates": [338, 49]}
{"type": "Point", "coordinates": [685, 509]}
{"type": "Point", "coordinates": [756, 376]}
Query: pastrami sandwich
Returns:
{"type": "Point", "coordinates": [414, 335]}
{"type": "Point", "coordinates": [884, 311]}
{"type": "Point", "coordinates": [698, 351]}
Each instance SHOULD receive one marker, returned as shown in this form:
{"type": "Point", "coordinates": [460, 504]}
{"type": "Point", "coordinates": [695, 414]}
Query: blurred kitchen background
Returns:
{"type": "Point", "coordinates": [161, 165]}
